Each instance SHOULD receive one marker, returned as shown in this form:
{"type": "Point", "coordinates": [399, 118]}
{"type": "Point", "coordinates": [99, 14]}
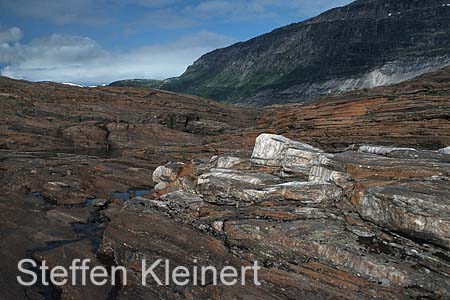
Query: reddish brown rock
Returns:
{"type": "Point", "coordinates": [410, 113]}
{"type": "Point", "coordinates": [360, 223]}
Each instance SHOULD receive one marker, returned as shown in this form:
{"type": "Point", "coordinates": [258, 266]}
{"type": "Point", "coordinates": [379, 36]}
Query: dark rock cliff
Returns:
{"type": "Point", "coordinates": [365, 44]}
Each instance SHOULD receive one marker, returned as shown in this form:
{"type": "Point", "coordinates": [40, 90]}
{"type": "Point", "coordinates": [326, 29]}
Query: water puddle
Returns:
{"type": "Point", "coordinates": [141, 192]}
{"type": "Point", "coordinates": [121, 195]}
{"type": "Point", "coordinates": [132, 193]}
{"type": "Point", "coordinates": [47, 203]}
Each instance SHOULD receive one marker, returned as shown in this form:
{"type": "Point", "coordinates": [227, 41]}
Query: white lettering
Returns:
{"type": "Point", "coordinates": [145, 272]}
{"type": "Point", "coordinates": [58, 272]}
{"type": "Point", "coordinates": [99, 272]}
{"type": "Point", "coordinates": [26, 271]}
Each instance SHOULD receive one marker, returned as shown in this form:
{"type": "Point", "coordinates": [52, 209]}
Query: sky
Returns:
{"type": "Point", "coordinates": [93, 42]}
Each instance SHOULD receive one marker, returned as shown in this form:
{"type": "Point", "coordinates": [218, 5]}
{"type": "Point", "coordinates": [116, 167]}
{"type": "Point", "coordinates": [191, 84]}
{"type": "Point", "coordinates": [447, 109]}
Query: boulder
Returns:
{"type": "Point", "coordinates": [163, 175]}
{"type": "Point", "coordinates": [277, 151]}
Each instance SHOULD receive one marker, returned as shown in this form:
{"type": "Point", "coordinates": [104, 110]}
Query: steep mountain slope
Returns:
{"type": "Point", "coordinates": [365, 44]}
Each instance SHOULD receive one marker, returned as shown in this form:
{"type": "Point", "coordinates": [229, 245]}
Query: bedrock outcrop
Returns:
{"type": "Point", "coordinates": [410, 114]}
{"type": "Point", "coordinates": [119, 174]}
{"type": "Point", "coordinates": [367, 224]}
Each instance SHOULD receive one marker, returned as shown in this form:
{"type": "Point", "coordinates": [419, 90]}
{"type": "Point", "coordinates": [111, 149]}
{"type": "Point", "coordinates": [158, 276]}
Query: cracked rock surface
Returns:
{"type": "Point", "coordinates": [382, 235]}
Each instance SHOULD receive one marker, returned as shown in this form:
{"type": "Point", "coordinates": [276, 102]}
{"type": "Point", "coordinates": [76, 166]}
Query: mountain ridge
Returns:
{"type": "Point", "coordinates": [364, 44]}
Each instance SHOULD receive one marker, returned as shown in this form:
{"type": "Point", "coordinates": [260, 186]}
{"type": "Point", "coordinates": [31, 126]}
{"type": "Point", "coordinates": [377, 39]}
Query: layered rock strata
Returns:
{"type": "Point", "coordinates": [367, 224]}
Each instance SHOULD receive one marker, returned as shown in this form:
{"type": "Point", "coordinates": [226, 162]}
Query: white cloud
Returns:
{"type": "Point", "coordinates": [81, 60]}
{"type": "Point", "coordinates": [13, 34]}
{"type": "Point", "coordinates": [9, 40]}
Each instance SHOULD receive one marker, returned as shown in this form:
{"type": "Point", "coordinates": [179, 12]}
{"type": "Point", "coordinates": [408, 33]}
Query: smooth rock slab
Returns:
{"type": "Point", "coordinates": [229, 186]}
{"type": "Point", "coordinates": [131, 237]}
{"type": "Point", "coordinates": [417, 209]}
{"type": "Point", "coordinates": [407, 153]}
{"type": "Point", "coordinates": [304, 192]}
{"type": "Point", "coordinates": [232, 187]}
{"type": "Point", "coordinates": [371, 167]}
{"type": "Point", "coordinates": [382, 150]}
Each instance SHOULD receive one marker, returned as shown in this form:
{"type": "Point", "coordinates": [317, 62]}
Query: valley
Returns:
{"type": "Point", "coordinates": [348, 192]}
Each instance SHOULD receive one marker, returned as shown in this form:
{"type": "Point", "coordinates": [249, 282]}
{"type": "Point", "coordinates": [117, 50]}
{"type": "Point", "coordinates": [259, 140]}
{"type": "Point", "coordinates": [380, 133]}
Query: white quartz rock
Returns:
{"type": "Point", "coordinates": [445, 150]}
{"type": "Point", "coordinates": [382, 150]}
{"type": "Point", "coordinates": [278, 151]}
{"type": "Point", "coordinates": [166, 174]}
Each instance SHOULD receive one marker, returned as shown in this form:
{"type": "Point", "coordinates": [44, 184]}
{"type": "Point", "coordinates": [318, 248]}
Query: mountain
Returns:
{"type": "Point", "coordinates": [365, 44]}
{"type": "Point", "coordinates": [147, 83]}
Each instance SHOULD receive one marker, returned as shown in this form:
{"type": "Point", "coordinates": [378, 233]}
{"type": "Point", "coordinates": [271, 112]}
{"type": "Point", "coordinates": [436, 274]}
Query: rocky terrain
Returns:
{"type": "Point", "coordinates": [67, 151]}
{"type": "Point", "coordinates": [45, 116]}
{"type": "Point", "coordinates": [365, 224]}
{"type": "Point", "coordinates": [413, 113]}
{"type": "Point", "coordinates": [119, 174]}
{"type": "Point", "coordinates": [365, 44]}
